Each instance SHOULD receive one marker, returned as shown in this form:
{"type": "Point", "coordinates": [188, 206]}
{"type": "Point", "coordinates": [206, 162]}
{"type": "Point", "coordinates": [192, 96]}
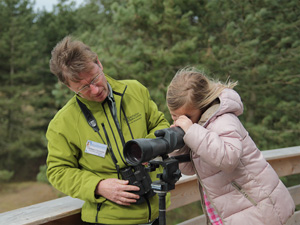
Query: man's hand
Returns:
{"type": "Point", "coordinates": [117, 191]}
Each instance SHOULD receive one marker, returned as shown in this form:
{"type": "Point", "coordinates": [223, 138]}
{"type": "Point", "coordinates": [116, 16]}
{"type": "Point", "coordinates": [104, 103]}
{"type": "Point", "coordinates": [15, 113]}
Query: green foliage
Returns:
{"type": "Point", "coordinates": [26, 105]}
{"type": "Point", "coordinates": [254, 42]}
{"type": "Point", "coordinates": [148, 41]}
{"type": "Point", "coordinates": [5, 175]}
{"type": "Point", "coordinates": [256, 45]}
{"type": "Point", "coordinates": [61, 94]}
{"type": "Point", "coordinates": [41, 176]}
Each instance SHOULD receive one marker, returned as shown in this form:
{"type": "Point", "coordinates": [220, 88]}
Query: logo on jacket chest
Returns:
{"type": "Point", "coordinates": [133, 118]}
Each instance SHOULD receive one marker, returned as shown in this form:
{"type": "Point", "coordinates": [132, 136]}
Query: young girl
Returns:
{"type": "Point", "coordinates": [237, 184]}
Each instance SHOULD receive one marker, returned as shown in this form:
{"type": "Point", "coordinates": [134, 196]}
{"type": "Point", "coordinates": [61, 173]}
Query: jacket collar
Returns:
{"type": "Point", "coordinates": [230, 102]}
{"type": "Point", "coordinates": [208, 114]}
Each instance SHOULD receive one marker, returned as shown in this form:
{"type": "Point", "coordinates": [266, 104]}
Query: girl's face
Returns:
{"type": "Point", "coordinates": [190, 112]}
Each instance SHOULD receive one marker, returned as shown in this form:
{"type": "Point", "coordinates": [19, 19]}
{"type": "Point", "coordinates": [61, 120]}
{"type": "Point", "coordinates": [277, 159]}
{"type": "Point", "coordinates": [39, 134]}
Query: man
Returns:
{"type": "Point", "coordinates": [87, 136]}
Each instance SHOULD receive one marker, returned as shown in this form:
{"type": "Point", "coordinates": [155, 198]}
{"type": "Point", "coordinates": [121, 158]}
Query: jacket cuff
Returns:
{"type": "Point", "coordinates": [92, 197]}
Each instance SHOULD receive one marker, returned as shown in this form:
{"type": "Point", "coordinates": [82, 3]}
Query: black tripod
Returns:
{"type": "Point", "coordinates": [167, 180]}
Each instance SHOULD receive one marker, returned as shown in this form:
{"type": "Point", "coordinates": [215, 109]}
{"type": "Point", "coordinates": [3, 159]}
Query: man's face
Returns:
{"type": "Point", "coordinates": [93, 85]}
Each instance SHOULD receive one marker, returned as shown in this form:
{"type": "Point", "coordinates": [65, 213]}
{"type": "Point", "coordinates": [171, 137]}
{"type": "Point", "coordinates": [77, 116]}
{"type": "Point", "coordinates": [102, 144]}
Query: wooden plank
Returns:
{"type": "Point", "coordinates": [188, 192]}
{"type": "Point", "coordinates": [281, 153]}
{"type": "Point", "coordinates": [295, 193]}
{"type": "Point", "coordinates": [286, 166]}
{"type": "Point", "coordinates": [285, 161]}
{"type": "Point", "coordinates": [185, 192]}
{"type": "Point", "coordinates": [42, 212]}
{"type": "Point", "coordinates": [295, 219]}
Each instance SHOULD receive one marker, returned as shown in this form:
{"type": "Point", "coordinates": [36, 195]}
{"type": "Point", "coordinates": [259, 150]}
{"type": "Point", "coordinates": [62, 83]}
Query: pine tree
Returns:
{"type": "Point", "coordinates": [148, 41]}
{"type": "Point", "coordinates": [257, 43]}
{"type": "Point", "coordinates": [22, 91]}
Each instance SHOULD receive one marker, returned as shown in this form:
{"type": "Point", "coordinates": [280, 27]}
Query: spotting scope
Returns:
{"type": "Point", "coordinates": [141, 150]}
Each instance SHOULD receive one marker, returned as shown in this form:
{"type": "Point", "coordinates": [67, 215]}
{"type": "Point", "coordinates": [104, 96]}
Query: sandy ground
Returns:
{"type": "Point", "coordinates": [17, 195]}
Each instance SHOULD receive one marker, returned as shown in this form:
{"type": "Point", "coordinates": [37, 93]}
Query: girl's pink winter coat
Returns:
{"type": "Point", "coordinates": [239, 182]}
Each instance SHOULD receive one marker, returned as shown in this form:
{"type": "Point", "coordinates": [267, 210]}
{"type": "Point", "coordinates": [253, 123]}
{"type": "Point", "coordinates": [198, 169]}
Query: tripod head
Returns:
{"type": "Point", "coordinates": [171, 173]}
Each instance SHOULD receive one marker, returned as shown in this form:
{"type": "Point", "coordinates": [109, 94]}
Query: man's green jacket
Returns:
{"type": "Point", "coordinates": [76, 172]}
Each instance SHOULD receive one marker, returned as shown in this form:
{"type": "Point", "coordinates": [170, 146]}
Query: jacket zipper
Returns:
{"type": "Point", "coordinates": [98, 210]}
{"type": "Point", "coordinates": [202, 195]}
{"type": "Point", "coordinates": [243, 192]}
{"type": "Point", "coordinates": [149, 209]}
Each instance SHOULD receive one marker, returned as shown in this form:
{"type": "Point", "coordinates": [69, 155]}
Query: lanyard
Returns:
{"type": "Point", "coordinates": [93, 124]}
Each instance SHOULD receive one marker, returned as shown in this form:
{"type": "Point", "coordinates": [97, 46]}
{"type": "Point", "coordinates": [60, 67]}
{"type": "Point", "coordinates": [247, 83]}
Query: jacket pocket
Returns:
{"type": "Point", "coordinates": [243, 192]}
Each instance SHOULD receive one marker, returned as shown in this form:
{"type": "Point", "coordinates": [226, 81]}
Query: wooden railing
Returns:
{"type": "Point", "coordinates": [66, 210]}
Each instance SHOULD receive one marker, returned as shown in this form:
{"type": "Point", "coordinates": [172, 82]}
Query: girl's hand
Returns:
{"type": "Point", "coordinates": [184, 122]}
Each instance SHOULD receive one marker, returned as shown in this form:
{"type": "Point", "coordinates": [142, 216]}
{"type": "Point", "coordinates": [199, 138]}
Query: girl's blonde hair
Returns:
{"type": "Point", "coordinates": [191, 87]}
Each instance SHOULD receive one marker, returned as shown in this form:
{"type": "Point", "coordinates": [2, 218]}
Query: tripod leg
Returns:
{"type": "Point", "coordinates": [162, 208]}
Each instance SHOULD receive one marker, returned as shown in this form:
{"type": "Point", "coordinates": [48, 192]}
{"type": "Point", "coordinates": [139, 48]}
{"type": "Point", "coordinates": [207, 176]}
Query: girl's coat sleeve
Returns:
{"type": "Point", "coordinates": [219, 144]}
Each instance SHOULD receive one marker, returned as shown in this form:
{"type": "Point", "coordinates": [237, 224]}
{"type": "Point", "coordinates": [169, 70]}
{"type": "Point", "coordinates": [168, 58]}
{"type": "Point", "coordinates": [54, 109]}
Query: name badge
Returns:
{"type": "Point", "coordinates": [95, 148]}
